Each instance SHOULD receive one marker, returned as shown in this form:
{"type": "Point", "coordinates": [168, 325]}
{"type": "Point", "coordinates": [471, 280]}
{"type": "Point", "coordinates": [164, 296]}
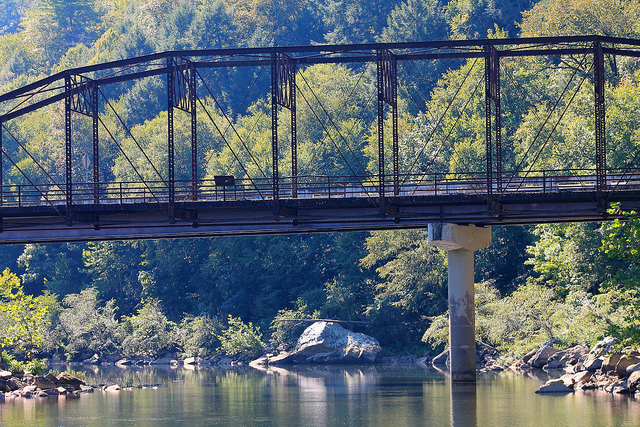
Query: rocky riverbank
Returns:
{"type": "Point", "coordinates": [32, 386]}
{"type": "Point", "coordinates": [573, 369]}
{"type": "Point", "coordinates": [582, 368]}
{"type": "Point", "coordinates": [27, 385]}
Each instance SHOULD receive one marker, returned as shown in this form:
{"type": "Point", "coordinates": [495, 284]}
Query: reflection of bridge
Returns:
{"type": "Point", "coordinates": [79, 201]}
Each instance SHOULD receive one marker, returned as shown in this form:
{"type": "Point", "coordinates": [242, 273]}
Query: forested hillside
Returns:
{"type": "Point", "coordinates": [569, 282]}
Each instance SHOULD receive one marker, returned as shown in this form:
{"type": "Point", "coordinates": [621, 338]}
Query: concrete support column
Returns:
{"type": "Point", "coordinates": [461, 242]}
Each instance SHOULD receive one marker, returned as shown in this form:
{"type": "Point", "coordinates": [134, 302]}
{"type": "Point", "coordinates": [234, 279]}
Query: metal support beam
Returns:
{"type": "Point", "coordinates": [1, 164]}
{"type": "Point", "coordinates": [286, 97]}
{"type": "Point", "coordinates": [194, 134]}
{"type": "Point", "coordinates": [67, 148]}
{"type": "Point", "coordinates": [387, 93]}
{"type": "Point", "coordinates": [601, 138]}
{"type": "Point", "coordinates": [183, 92]}
{"type": "Point", "coordinates": [274, 125]}
{"type": "Point", "coordinates": [96, 146]}
{"type": "Point", "coordinates": [492, 108]}
{"type": "Point", "coordinates": [83, 99]}
{"type": "Point", "coordinates": [170, 138]}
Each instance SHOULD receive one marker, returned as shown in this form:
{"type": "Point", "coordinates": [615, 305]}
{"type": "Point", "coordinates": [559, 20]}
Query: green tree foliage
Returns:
{"type": "Point", "coordinates": [112, 268]}
{"type": "Point", "coordinates": [471, 19]}
{"type": "Point", "coordinates": [503, 263]}
{"type": "Point", "coordinates": [23, 317]}
{"type": "Point", "coordinates": [567, 256]}
{"type": "Point", "coordinates": [353, 21]}
{"type": "Point", "coordinates": [288, 325]}
{"type": "Point", "coordinates": [416, 20]}
{"type": "Point", "coordinates": [89, 326]}
{"type": "Point", "coordinates": [9, 16]}
{"type": "Point", "coordinates": [615, 18]}
{"type": "Point", "coordinates": [57, 268]}
{"type": "Point", "coordinates": [197, 336]}
{"type": "Point", "coordinates": [240, 338]}
{"type": "Point", "coordinates": [534, 314]}
{"type": "Point", "coordinates": [413, 283]}
{"type": "Point", "coordinates": [148, 332]}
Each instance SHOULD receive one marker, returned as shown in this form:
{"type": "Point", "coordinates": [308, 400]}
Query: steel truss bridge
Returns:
{"type": "Point", "coordinates": [81, 206]}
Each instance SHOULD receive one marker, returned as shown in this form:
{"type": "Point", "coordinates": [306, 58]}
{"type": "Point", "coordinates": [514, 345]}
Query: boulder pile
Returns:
{"type": "Point", "coordinates": [582, 368]}
{"type": "Point", "coordinates": [28, 385]}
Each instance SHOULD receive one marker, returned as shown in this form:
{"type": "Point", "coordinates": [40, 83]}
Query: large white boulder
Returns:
{"type": "Point", "coordinates": [328, 342]}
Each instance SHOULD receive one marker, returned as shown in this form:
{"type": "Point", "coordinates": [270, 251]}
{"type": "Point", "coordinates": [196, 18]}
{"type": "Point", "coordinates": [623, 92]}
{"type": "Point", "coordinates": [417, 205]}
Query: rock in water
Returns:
{"type": "Point", "coordinates": [541, 357]}
{"type": "Point", "coordinates": [65, 379]}
{"type": "Point", "coordinates": [555, 386]}
{"type": "Point", "coordinates": [43, 383]}
{"type": "Point", "coordinates": [328, 342]}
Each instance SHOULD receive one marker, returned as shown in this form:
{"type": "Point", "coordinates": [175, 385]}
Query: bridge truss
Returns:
{"type": "Point", "coordinates": [94, 208]}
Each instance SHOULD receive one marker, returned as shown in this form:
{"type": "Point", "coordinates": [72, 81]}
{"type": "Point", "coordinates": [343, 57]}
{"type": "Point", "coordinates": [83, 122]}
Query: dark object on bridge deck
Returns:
{"type": "Point", "coordinates": [224, 180]}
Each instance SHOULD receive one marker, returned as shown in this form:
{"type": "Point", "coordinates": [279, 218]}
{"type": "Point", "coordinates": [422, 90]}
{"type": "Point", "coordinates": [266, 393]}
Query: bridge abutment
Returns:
{"type": "Point", "coordinates": [460, 242]}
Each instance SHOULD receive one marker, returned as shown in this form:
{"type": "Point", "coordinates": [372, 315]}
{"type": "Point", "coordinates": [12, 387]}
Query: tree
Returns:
{"type": "Point", "coordinates": [567, 257]}
{"type": "Point", "coordinates": [621, 243]}
{"type": "Point", "coordinates": [113, 268]}
{"type": "Point", "coordinates": [149, 332]}
{"type": "Point", "coordinates": [354, 21]}
{"type": "Point", "coordinates": [89, 326]}
{"type": "Point", "coordinates": [412, 286]}
{"type": "Point", "coordinates": [416, 20]}
{"type": "Point", "coordinates": [24, 316]}
{"type": "Point", "coordinates": [9, 16]}
{"type": "Point", "coordinates": [197, 336]}
{"type": "Point", "coordinates": [614, 18]}
{"type": "Point", "coordinates": [57, 268]}
{"type": "Point", "coordinates": [240, 338]}
{"type": "Point", "coordinates": [472, 19]}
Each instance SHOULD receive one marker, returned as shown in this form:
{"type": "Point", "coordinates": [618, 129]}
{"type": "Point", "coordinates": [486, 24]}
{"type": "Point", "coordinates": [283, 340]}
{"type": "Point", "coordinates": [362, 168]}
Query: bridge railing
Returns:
{"type": "Point", "coordinates": [318, 187]}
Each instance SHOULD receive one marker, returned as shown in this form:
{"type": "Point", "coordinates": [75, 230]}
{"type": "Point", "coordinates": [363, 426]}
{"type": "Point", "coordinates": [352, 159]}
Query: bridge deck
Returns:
{"type": "Point", "coordinates": [130, 210]}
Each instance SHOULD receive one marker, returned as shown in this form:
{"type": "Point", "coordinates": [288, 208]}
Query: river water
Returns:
{"type": "Point", "coordinates": [318, 396]}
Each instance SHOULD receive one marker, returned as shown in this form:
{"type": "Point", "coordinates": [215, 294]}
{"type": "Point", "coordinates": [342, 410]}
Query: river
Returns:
{"type": "Point", "coordinates": [317, 396]}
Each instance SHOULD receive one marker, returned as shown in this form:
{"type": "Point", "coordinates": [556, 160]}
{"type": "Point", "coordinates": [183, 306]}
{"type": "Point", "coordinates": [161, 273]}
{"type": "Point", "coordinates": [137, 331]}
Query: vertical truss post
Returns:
{"type": "Point", "coordinates": [601, 139]}
{"type": "Point", "coordinates": [170, 139]}
{"type": "Point", "coordinates": [83, 99]}
{"type": "Point", "coordinates": [68, 88]}
{"type": "Point", "coordinates": [380, 86]}
{"type": "Point", "coordinates": [492, 107]}
{"type": "Point", "coordinates": [194, 134]}
{"type": "Point", "coordinates": [1, 164]}
{"type": "Point", "coordinates": [96, 148]}
{"type": "Point", "coordinates": [183, 97]}
{"type": "Point", "coordinates": [274, 125]}
{"type": "Point", "coordinates": [388, 93]}
{"type": "Point", "coordinates": [286, 98]}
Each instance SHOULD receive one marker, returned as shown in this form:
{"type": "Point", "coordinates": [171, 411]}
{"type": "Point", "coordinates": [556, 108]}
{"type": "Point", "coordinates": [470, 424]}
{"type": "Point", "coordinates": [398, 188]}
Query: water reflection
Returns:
{"type": "Point", "coordinates": [463, 405]}
{"type": "Point", "coordinates": [318, 396]}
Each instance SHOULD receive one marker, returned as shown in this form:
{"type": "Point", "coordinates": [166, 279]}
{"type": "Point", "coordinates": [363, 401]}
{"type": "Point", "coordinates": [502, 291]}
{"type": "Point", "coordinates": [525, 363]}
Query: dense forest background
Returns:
{"type": "Point", "coordinates": [569, 282]}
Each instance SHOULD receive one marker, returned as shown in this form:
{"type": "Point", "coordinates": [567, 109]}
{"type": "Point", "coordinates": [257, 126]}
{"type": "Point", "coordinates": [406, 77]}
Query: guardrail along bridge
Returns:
{"type": "Point", "coordinates": [172, 190]}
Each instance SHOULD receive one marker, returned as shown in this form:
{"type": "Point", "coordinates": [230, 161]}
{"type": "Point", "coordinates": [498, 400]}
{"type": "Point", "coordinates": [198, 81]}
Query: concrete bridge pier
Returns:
{"type": "Point", "coordinates": [460, 242]}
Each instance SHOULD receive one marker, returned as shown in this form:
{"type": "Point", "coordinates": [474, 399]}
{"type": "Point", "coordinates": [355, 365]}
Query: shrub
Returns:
{"type": "Point", "coordinates": [149, 332]}
{"type": "Point", "coordinates": [35, 367]}
{"type": "Point", "coordinates": [286, 329]}
{"type": "Point", "coordinates": [23, 317]}
{"type": "Point", "coordinates": [241, 339]}
{"type": "Point", "coordinates": [88, 326]}
{"type": "Point", "coordinates": [198, 335]}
